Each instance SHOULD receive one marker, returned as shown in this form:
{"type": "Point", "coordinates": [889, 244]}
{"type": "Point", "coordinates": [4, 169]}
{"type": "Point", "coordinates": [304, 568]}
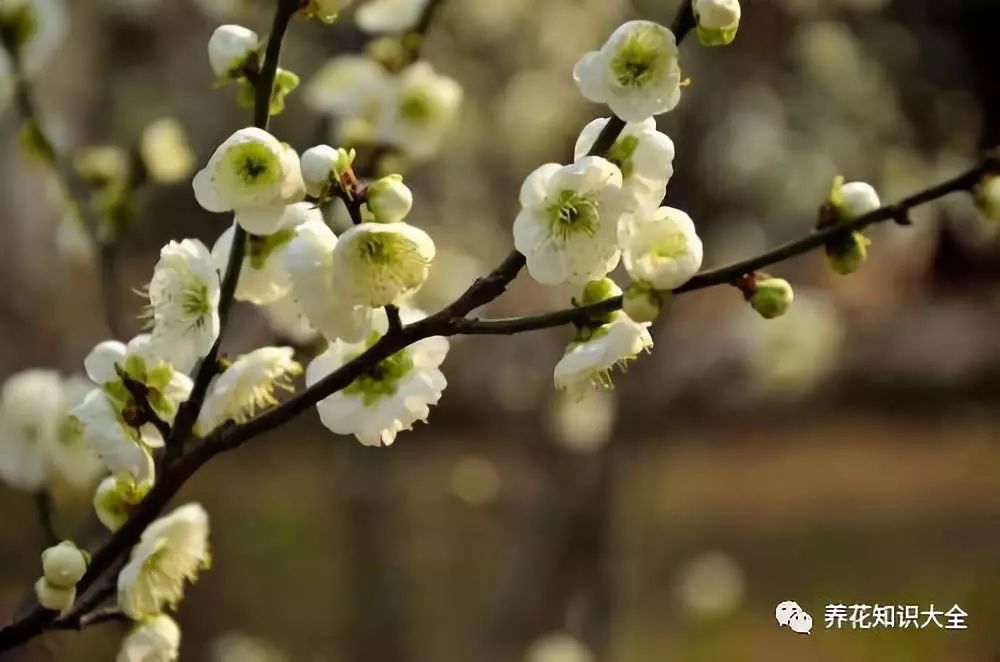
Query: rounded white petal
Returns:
{"type": "Point", "coordinates": [661, 248]}
{"type": "Point", "coordinates": [155, 639]}
{"type": "Point", "coordinates": [229, 47]}
{"type": "Point", "coordinates": [100, 363]}
{"type": "Point", "coordinates": [390, 16]}
{"type": "Point", "coordinates": [860, 198]}
{"type": "Point", "coordinates": [309, 263]}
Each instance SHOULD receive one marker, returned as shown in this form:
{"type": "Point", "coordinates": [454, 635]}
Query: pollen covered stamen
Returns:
{"type": "Point", "coordinates": [573, 213]}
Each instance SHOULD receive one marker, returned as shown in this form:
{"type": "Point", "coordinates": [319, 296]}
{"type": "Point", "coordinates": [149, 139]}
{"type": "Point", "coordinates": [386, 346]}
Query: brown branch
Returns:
{"type": "Point", "coordinates": [209, 367]}
{"type": "Point", "coordinates": [74, 189]}
{"type": "Point", "coordinates": [728, 274]}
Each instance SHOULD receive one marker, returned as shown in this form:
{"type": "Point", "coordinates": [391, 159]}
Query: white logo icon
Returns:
{"type": "Point", "coordinates": [789, 613]}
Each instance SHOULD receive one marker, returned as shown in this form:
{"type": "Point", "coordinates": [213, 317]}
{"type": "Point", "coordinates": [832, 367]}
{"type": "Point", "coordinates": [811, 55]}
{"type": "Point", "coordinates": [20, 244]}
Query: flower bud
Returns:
{"type": "Point", "coordinates": [597, 291]}
{"type": "Point", "coordinates": [389, 199]}
{"type": "Point", "coordinates": [847, 253]}
{"type": "Point", "coordinates": [230, 48]}
{"type": "Point", "coordinates": [642, 303]}
{"type": "Point", "coordinates": [988, 197]}
{"type": "Point", "coordinates": [771, 297]}
{"type": "Point", "coordinates": [114, 499]}
{"type": "Point", "coordinates": [718, 21]}
{"type": "Point", "coordinates": [54, 598]}
{"type": "Point", "coordinates": [325, 10]}
{"type": "Point", "coordinates": [63, 565]}
{"type": "Point", "coordinates": [857, 200]}
{"type": "Point", "coordinates": [322, 165]}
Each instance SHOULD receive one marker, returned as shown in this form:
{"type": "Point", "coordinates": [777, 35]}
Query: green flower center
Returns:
{"type": "Point", "coordinates": [641, 58]}
{"type": "Point", "coordinates": [621, 154]}
{"type": "Point", "coordinates": [18, 24]}
{"type": "Point", "coordinates": [382, 380]}
{"type": "Point", "coordinates": [572, 213]}
{"type": "Point", "coordinates": [252, 164]}
{"type": "Point", "coordinates": [259, 248]}
{"type": "Point", "coordinates": [416, 106]}
{"type": "Point", "coordinates": [671, 247]}
{"type": "Point", "coordinates": [388, 256]}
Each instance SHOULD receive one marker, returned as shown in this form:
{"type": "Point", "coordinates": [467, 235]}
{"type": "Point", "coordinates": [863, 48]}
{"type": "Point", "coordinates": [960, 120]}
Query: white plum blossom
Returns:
{"type": "Point", "coordinates": [590, 360]}
{"type": "Point", "coordinates": [288, 321]}
{"type": "Point", "coordinates": [660, 247]}
{"type": "Point", "coordinates": [644, 155]}
{"type": "Point", "coordinates": [171, 551]}
{"type": "Point", "coordinates": [230, 48]}
{"type": "Point", "coordinates": [39, 441]}
{"type": "Point", "coordinates": [377, 264]}
{"type": "Point", "coordinates": [254, 175]}
{"type": "Point", "coordinates": [39, 27]}
{"type": "Point", "coordinates": [263, 277]}
{"type": "Point", "coordinates": [348, 86]}
{"type": "Point", "coordinates": [418, 110]}
{"type": "Point", "coordinates": [606, 341]}
{"type": "Point", "coordinates": [391, 396]}
{"type": "Point", "coordinates": [29, 411]}
{"type": "Point", "coordinates": [309, 262]}
{"type": "Point", "coordinates": [184, 302]}
{"type": "Point", "coordinates": [154, 639]}
{"type": "Point", "coordinates": [109, 417]}
{"type": "Point", "coordinates": [390, 16]}
{"type": "Point", "coordinates": [124, 449]}
{"type": "Point", "coordinates": [389, 199]}
{"type": "Point", "coordinates": [568, 224]}
{"type": "Point", "coordinates": [165, 151]}
{"type": "Point", "coordinates": [636, 73]}
{"type": "Point", "coordinates": [247, 386]}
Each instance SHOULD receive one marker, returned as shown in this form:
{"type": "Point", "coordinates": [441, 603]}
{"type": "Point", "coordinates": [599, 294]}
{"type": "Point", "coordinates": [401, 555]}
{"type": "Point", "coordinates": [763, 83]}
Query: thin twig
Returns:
{"type": "Point", "coordinates": [728, 274]}
{"type": "Point", "coordinates": [75, 190]}
{"type": "Point", "coordinates": [209, 367]}
{"type": "Point", "coordinates": [84, 621]}
{"type": "Point", "coordinates": [44, 506]}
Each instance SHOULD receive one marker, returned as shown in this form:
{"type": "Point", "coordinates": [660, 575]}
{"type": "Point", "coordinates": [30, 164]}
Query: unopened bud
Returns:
{"type": "Point", "coordinates": [642, 303]}
{"type": "Point", "coordinates": [53, 597]}
{"type": "Point", "coordinates": [847, 253]}
{"type": "Point", "coordinates": [718, 21]}
{"type": "Point", "coordinates": [322, 165]}
{"type": "Point", "coordinates": [389, 199]}
{"type": "Point", "coordinates": [771, 297]}
{"type": "Point", "coordinates": [64, 565]}
{"type": "Point", "coordinates": [230, 49]}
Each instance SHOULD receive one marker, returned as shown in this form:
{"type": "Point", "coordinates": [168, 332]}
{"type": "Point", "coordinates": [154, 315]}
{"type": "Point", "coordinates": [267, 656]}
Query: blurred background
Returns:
{"type": "Point", "coordinates": [847, 453]}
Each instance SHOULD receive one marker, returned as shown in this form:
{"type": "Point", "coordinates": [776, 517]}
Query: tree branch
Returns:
{"type": "Point", "coordinates": [73, 188]}
{"type": "Point", "coordinates": [208, 367]}
{"type": "Point", "coordinates": [43, 504]}
{"type": "Point", "coordinates": [727, 274]}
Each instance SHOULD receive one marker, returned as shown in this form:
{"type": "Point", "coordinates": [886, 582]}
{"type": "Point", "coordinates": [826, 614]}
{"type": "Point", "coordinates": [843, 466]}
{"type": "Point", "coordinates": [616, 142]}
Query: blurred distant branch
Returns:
{"type": "Point", "coordinates": [73, 188]}
{"type": "Point", "coordinates": [43, 504]}
{"type": "Point", "coordinates": [726, 275]}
